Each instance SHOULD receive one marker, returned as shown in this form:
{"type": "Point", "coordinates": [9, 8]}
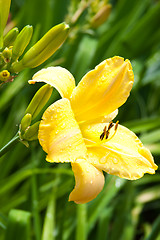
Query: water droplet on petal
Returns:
{"type": "Point", "coordinates": [115, 161]}
{"type": "Point", "coordinates": [103, 160]}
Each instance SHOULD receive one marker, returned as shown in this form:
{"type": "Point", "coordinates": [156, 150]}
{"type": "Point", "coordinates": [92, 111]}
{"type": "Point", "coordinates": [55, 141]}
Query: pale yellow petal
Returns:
{"type": "Point", "coordinates": [89, 182]}
{"type": "Point", "coordinates": [102, 90]}
{"type": "Point", "coordinates": [59, 133]}
{"type": "Point", "coordinates": [104, 119]}
{"type": "Point", "coordinates": [58, 77]}
{"type": "Point", "coordinates": [123, 154]}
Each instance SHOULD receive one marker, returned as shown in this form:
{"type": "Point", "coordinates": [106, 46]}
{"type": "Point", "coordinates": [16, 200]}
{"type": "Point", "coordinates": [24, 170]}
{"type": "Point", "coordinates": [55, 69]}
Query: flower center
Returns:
{"type": "Point", "coordinates": [105, 135]}
{"type": "Point", "coordinates": [106, 131]}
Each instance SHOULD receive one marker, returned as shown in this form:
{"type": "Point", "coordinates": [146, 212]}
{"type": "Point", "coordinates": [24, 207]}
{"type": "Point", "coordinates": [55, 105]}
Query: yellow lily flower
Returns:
{"type": "Point", "coordinates": [78, 127]}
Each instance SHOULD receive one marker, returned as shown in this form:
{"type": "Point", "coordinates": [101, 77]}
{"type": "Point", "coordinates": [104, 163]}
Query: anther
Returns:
{"type": "Point", "coordinates": [116, 125]}
{"type": "Point", "coordinates": [110, 126]}
{"type": "Point", "coordinates": [103, 133]}
{"type": "Point", "coordinates": [107, 134]}
{"type": "Point", "coordinates": [106, 131]}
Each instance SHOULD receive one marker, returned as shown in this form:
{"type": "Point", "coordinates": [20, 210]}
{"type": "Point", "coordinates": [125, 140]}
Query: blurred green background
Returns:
{"type": "Point", "coordinates": [33, 193]}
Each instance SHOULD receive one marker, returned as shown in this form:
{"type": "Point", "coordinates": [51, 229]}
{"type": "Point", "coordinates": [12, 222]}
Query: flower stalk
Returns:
{"type": "Point", "coordinates": [9, 145]}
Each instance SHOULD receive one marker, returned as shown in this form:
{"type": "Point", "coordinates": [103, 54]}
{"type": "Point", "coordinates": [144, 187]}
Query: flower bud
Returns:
{"type": "Point", "coordinates": [21, 42]}
{"type": "Point", "coordinates": [39, 100]}
{"type": "Point", "coordinates": [4, 11]}
{"type": "Point", "coordinates": [44, 48]}
{"type": "Point", "coordinates": [4, 75]}
{"type": "Point", "coordinates": [10, 37]}
{"type": "Point", "coordinates": [101, 16]}
{"type": "Point", "coordinates": [32, 132]}
{"type": "Point", "coordinates": [25, 122]}
{"type": "Point", "coordinates": [7, 54]}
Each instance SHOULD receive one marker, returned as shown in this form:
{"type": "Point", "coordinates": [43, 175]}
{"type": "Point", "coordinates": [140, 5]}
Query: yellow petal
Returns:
{"type": "Point", "coordinates": [102, 90]}
{"type": "Point", "coordinates": [89, 182]}
{"type": "Point", "coordinates": [122, 155]}
{"type": "Point", "coordinates": [104, 119]}
{"type": "Point", "coordinates": [59, 133]}
{"type": "Point", "coordinates": [58, 77]}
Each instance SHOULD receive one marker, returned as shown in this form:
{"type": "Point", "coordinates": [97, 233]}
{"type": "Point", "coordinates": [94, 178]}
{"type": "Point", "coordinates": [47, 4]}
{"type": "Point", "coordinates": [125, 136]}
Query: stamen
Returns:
{"type": "Point", "coordinates": [110, 125]}
{"type": "Point", "coordinates": [103, 133]}
{"type": "Point", "coordinates": [116, 125]}
{"type": "Point", "coordinates": [106, 133]}
{"type": "Point", "coordinates": [115, 130]}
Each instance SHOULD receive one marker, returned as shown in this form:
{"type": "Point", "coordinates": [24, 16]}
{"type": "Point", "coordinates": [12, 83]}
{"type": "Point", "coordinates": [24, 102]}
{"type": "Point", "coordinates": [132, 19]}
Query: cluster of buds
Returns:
{"type": "Point", "coordinates": [94, 13]}
{"type": "Point", "coordinates": [28, 131]}
{"type": "Point", "coordinates": [14, 43]}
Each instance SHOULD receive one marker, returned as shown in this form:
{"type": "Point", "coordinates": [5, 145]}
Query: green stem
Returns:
{"type": "Point", "coordinates": [81, 233]}
{"type": "Point", "coordinates": [35, 202]}
{"type": "Point", "coordinates": [9, 145]}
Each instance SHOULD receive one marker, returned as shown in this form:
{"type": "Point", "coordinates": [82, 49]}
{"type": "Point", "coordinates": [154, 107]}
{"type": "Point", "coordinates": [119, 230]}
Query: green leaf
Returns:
{"type": "Point", "coordinates": [155, 230]}
{"type": "Point", "coordinates": [4, 11]}
{"type": "Point", "coordinates": [18, 225]}
{"type": "Point", "coordinates": [49, 222]}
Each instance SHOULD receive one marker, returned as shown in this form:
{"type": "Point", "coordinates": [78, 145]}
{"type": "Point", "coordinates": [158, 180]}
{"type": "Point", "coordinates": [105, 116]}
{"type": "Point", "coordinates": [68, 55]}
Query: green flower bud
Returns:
{"type": "Point", "coordinates": [101, 16]}
{"type": "Point", "coordinates": [39, 100]}
{"type": "Point", "coordinates": [44, 48]}
{"type": "Point", "coordinates": [32, 132]}
{"type": "Point", "coordinates": [7, 54]}
{"type": "Point", "coordinates": [4, 75]}
{"type": "Point", "coordinates": [10, 37]}
{"type": "Point", "coordinates": [4, 11]}
{"type": "Point", "coordinates": [25, 122]}
{"type": "Point", "coordinates": [21, 42]}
